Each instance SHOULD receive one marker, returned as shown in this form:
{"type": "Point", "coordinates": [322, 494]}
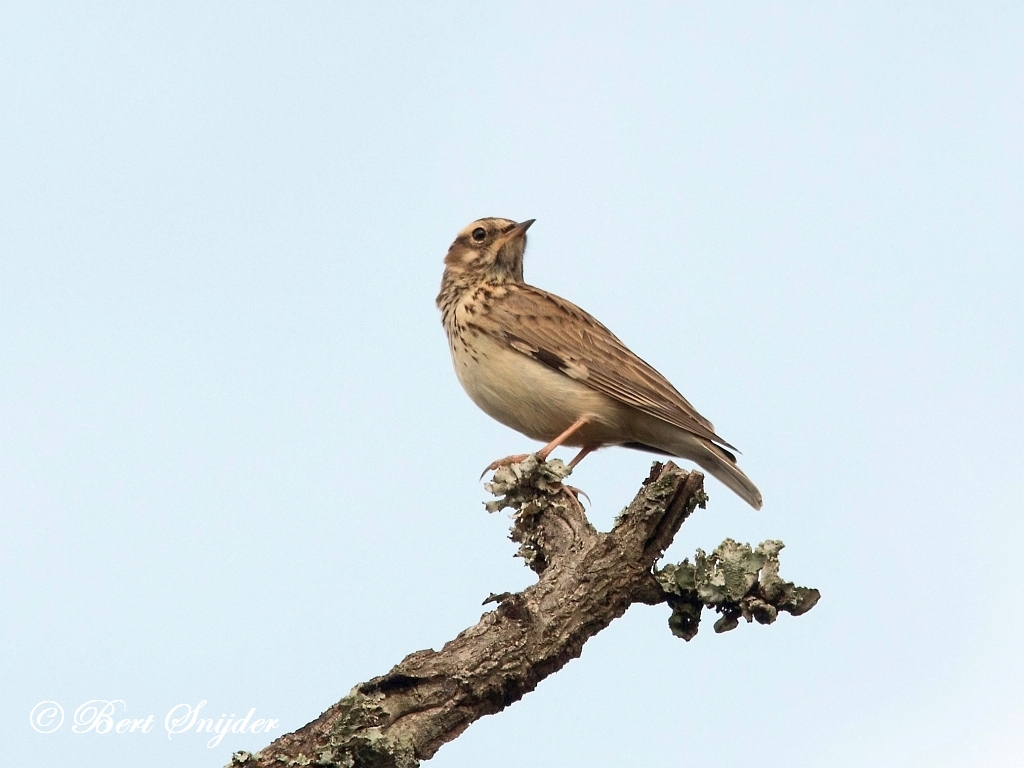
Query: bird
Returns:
{"type": "Point", "coordinates": [546, 368]}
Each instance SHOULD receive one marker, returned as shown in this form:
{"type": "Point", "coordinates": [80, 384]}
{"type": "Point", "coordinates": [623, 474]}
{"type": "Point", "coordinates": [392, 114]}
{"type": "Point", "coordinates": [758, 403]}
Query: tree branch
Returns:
{"type": "Point", "coordinates": [587, 580]}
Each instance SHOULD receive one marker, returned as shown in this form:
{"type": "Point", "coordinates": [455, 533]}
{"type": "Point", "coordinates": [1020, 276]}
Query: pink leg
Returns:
{"type": "Point", "coordinates": [543, 453]}
{"type": "Point", "coordinates": [587, 449]}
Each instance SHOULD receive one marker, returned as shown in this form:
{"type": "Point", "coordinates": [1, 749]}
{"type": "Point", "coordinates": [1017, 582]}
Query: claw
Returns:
{"type": "Point", "coordinates": [577, 492]}
{"type": "Point", "coordinates": [513, 459]}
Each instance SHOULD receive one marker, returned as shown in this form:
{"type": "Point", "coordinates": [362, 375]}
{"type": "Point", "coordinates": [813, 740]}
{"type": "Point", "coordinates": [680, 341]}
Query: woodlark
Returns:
{"type": "Point", "coordinates": [543, 366]}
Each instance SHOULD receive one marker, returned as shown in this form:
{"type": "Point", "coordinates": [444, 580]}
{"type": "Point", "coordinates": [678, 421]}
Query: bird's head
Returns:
{"type": "Point", "coordinates": [491, 248]}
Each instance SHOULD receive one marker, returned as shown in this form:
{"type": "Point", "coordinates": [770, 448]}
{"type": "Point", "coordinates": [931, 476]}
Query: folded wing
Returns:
{"type": "Point", "coordinates": [559, 334]}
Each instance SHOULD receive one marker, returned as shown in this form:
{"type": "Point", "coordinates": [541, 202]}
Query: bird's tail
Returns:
{"type": "Point", "coordinates": [722, 465]}
{"type": "Point", "coordinates": [657, 435]}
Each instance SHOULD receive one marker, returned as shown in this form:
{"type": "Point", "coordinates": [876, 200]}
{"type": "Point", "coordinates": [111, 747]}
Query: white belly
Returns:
{"type": "Point", "coordinates": [532, 398]}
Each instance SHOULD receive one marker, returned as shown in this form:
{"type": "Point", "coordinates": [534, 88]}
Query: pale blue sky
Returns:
{"type": "Point", "coordinates": [235, 463]}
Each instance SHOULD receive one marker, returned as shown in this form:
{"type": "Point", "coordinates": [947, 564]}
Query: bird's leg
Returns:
{"type": "Point", "coordinates": [587, 449]}
{"type": "Point", "coordinates": [542, 454]}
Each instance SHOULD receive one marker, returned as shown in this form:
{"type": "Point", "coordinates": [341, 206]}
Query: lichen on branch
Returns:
{"type": "Point", "coordinates": [586, 580]}
{"type": "Point", "coordinates": [735, 581]}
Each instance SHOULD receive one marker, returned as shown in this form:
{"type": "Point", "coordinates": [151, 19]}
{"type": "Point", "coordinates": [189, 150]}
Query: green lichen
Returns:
{"type": "Point", "coordinates": [356, 739]}
{"type": "Point", "coordinates": [529, 487]}
{"type": "Point", "coordinates": [524, 486]}
{"type": "Point", "coordinates": [734, 580]}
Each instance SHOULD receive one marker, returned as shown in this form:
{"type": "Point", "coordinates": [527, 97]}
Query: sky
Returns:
{"type": "Point", "coordinates": [236, 466]}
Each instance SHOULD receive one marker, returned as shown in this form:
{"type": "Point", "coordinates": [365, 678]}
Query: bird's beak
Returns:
{"type": "Point", "coordinates": [519, 229]}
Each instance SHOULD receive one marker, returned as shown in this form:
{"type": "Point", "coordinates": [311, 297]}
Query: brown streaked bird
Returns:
{"type": "Point", "coordinates": [543, 366]}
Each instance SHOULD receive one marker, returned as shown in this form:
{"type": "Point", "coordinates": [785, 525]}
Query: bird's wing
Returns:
{"type": "Point", "coordinates": [562, 336]}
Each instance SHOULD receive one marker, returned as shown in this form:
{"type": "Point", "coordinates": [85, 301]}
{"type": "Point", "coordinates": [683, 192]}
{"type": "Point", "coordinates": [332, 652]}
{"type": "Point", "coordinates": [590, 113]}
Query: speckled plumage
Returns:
{"type": "Point", "coordinates": [546, 368]}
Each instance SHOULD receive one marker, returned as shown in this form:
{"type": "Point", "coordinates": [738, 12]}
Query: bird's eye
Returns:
{"type": "Point", "coordinates": [479, 234]}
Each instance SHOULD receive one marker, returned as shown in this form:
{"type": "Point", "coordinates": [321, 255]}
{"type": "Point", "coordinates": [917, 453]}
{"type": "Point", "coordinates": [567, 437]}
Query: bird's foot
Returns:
{"type": "Point", "coordinates": [577, 492]}
{"type": "Point", "coordinates": [526, 484]}
{"type": "Point", "coordinates": [513, 459]}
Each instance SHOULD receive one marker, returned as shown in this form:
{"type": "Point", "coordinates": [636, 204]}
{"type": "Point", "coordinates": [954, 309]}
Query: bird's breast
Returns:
{"type": "Point", "coordinates": [528, 396]}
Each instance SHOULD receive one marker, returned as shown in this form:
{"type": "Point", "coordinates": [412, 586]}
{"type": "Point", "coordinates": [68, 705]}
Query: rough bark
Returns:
{"type": "Point", "coordinates": [587, 580]}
